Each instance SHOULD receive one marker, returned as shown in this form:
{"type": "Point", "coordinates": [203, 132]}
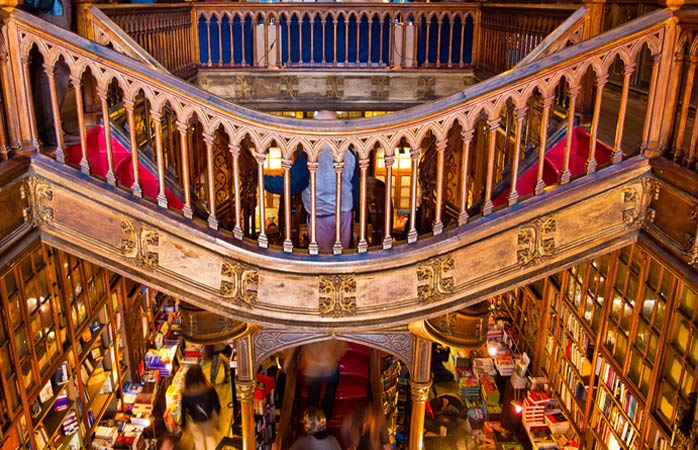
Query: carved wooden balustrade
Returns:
{"type": "Point", "coordinates": [463, 128]}
{"type": "Point", "coordinates": [164, 31]}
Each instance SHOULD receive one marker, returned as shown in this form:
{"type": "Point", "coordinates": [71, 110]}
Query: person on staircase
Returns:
{"type": "Point", "coordinates": [319, 364]}
{"type": "Point", "coordinates": [317, 438]}
{"type": "Point", "coordinates": [365, 428]}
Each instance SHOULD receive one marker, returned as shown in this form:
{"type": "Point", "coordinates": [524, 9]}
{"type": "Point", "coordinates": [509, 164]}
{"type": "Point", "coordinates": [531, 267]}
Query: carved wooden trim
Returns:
{"type": "Point", "coordinates": [436, 284]}
{"type": "Point", "coordinates": [334, 87]}
{"type": "Point", "coordinates": [337, 296]}
{"type": "Point", "coordinates": [43, 197]}
{"type": "Point", "coordinates": [289, 87]}
{"type": "Point", "coordinates": [381, 91]}
{"type": "Point", "coordinates": [239, 282]}
{"type": "Point", "coordinates": [137, 244]}
{"type": "Point", "coordinates": [536, 241]}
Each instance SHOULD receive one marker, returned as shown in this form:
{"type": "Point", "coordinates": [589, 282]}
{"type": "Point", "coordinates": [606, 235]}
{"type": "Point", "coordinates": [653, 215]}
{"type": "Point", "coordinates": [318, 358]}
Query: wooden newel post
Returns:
{"type": "Point", "coordinates": [593, 26]}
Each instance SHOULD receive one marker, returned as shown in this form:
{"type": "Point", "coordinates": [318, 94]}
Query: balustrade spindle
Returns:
{"type": "Point", "coordinates": [392, 30]}
{"type": "Point", "coordinates": [8, 97]}
{"type": "Point", "coordinates": [286, 165]}
{"type": "Point", "coordinates": [262, 240]}
{"type": "Point", "coordinates": [412, 235]}
{"type": "Point", "coordinates": [279, 41]}
{"type": "Point", "coordinates": [313, 247]}
{"type": "Point", "coordinates": [369, 61]}
{"type": "Point", "coordinates": [311, 22]}
{"type": "Point", "coordinates": [29, 104]}
{"type": "Point", "coordinates": [387, 239]}
{"type": "Point", "coordinates": [439, 30]}
{"type": "Point", "coordinates": [235, 152]}
{"type": "Point", "coordinates": [656, 58]}
{"type": "Point", "coordinates": [363, 205]}
{"type": "Point", "coordinates": [56, 110]}
{"type": "Point", "coordinates": [427, 41]}
{"type": "Point", "coordinates": [441, 146]}
{"type": "Point", "coordinates": [220, 41]}
{"type": "Point", "coordinates": [208, 40]}
{"type": "Point", "coordinates": [267, 58]}
{"type": "Point", "coordinates": [346, 41]}
{"type": "Point", "coordinates": [493, 125]}
{"type": "Point", "coordinates": [623, 109]}
{"type": "Point", "coordinates": [451, 30]}
{"type": "Point", "coordinates": [467, 137]}
{"type": "Point", "coordinates": [212, 219]}
{"type": "Point", "coordinates": [289, 61]}
{"type": "Point", "coordinates": [79, 104]}
{"type": "Point", "coordinates": [591, 158]}
{"type": "Point", "coordinates": [102, 94]}
{"type": "Point", "coordinates": [461, 62]}
{"type": "Point", "coordinates": [691, 159]}
{"type": "Point", "coordinates": [415, 44]}
{"type": "Point", "coordinates": [520, 118]}
{"type": "Point", "coordinates": [323, 41]}
{"type": "Point", "coordinates": [573, 93]}
{"type": "Point", "coordinates": [231, 22]}
{"type": "Point", "coordinates": [337, 247]}
{"type": "Point", "coordinates": [357, 61]}
{"type": "Point", "coordinates": [160, 155]}
{"type": "Point", "coordinates": [242, 43]}
{"type": "Point", "coordinates": [685, 104]}
{"type": "Point", "coordinates": [184, 152]}
{"type": "Point", "coordinates": [545, 117]}
{"type": "Point", "coordinates": [381, 24]}
{"type": "Point", "coordinates": [129, 105]}
{"type": "Point", "coordinates": [300, 40]}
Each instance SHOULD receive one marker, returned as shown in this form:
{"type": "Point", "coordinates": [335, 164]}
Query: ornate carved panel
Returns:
{"type": "Point", "coordinates": [43, 198]}
{"type": "Point", "coordinates": [289, 87]}
{"type": "Point", "coordinates": [425, 87]}
{"type": "Point", "coordinates": [335, 87]}
{"type": "Point", "coordinates": [436, 284]}
{"type": "Point", "coordinates": [244, 87]}
{"type": "Point", "coordinates": [338, 296]}
{"type": "Point", "coordinates": [239, 282]}
{"type": "Point", "coordinates": [380, 87]}
{"type": "Point", "coordinates": [138, 244]}
{"type": "Point", "coordinates": [536, 241]}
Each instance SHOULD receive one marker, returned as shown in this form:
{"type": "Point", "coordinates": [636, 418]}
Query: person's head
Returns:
{"type": "Point", "coordinates": [325, 114]}
{"type": "Point", "coordinates": [314, 421]}
{"type": "Point", "coordinates": [167, 442]}
{"type": "Point", "coordinates": [195, 377]}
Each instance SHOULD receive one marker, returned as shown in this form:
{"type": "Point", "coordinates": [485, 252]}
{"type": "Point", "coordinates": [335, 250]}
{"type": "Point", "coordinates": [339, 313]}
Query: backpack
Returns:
{"type": "Point", "coordinates": [38, 6]}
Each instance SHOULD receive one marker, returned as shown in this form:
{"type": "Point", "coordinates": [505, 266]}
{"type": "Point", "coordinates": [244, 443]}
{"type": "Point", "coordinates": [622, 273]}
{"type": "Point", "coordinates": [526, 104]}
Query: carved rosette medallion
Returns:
{"type": "Point", "coordinates": [631, 207]}
{"type": "Point", "coordinates": [334, 87]}
{"type": "Point", "coordinates": [239, 283]}
{"type": "Point", "coordinates": [536, 242]}
{"type": "Point", "coordinates": [337, 296]}
{"type": "Point", "coordinates": [43, 197]}
{"type": "Point", "coordinates": [137, 244]}
{"type": "Point", "coordinates": [435, 284]}
{"type": "Point", "coordinates": [289, 87]}
{"type": "Point", "coordinates": [380, 92]}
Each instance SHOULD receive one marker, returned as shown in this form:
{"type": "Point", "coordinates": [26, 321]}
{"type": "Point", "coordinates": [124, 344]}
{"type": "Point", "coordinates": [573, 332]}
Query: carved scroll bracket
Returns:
{"type": "Point", "coordinates": [43, 198]}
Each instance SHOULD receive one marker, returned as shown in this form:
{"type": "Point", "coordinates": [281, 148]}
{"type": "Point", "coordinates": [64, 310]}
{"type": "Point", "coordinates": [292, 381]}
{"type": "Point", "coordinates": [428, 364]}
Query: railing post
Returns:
{"type": "Point", "coordinates": [622, 110]}
{"type": "Point", "coordinates": [545, 117]}
{"type": "Point", "coordinates": [102, 94]}
{"type": "Point", "coordinates": [388, 208]}
{"type": "Point", "coordinates": [566, 174]}
{"type": "Point", "coordinates": [8, 97]}
{"type": "Point", "coordinates": [337, 247]}
{"type": "Point", "coordinates": [493, 125]}
{"type": "Point", "coordinates": [313, 247]}
{"type": "Point", "coordinates": [286, 165]}
{"type": "Point", "coordinates": [194, 36]}
{"type": "Point", "coordinates": [235, 152]}
{"type": "Point", "coordinates": [590, 165]}
{"type": "Point", "coordinates": [467, 137]}
{"type": "Point", "coordinates": [363, 206]}
{"type": "Point", "coordinates": [212, 219]}
{"type": "Point", "coordinates": [412, 234]}
{"type": "Point", "coordinates": [440, 161]}
{"type": "Point", "coordinates": [520, 118]}
{"type": "Point", "coordinates": [129, 105]}
{"type": "Point", "coordinates": [183, 129]}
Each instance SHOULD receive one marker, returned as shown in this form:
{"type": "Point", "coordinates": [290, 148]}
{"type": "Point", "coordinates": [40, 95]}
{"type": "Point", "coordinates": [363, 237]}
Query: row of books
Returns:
{"type": "Point", "coordinates": [625, 429]}
{"type": "Point", "coordinates": [631, 406]}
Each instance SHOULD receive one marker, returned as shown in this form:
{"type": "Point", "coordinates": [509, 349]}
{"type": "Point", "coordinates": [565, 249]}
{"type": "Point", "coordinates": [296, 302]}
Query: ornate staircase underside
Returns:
{"type": "Point", "coordinates": [350, 292]}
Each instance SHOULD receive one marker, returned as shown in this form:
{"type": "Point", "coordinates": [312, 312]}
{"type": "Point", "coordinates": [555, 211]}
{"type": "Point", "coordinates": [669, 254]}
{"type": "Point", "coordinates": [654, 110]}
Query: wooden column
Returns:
{"type": "Point", "coordinates": [493, 124]}
{"type": "Point", "coordinates": [212, 219]}
{"type": "Point", "coordinates": [622, 110]}
{"type": "Point", "coordinates": [262, 240]}
{"type": "Point", "coordinates": [685, 104]}
{"type": "Point", "coordinates": [591, 157]}
{"type": "Point", "coordinates": [419, 389]}
{"type": "Point", "coordinates": [545, 116]}
{"type": "Point", "coordinates": [184, 152]}
{"type": "Point", "coordinates": [235, 152]}
{"type": "Point", "coordinates": [337, 247]}
{"type": "Point", "coordinates": [467, 137]}
{"type": "Point", "coordinates": [412, 234]}
{"type": "Point", "coordinates": [438, 227]}
{"type": "Point", "coordinates": [388, 208]}
{"type": "Point", "coordinates": [102, 94]}
{"type": "Point", "coordinates": [57, 125]}
{"type": "Point", "coordinates": [363, 206]}
{"type": "Point", "coordinates": [520, 118]}
{"type": "Point", "coordinates": [245, 383]}
{"type": "Point", "coordinates": [160, 155]}
{"type": "Point", "coordinates": [313, 247]}
{"type": "Point", "coordinates": [77, 86]}
{"type": "Point", "coordinates": [288, 243]}
{"type": "Point", "coordinates": [566, 174]}
{"type": "Point", "coordinates": [129, 105]}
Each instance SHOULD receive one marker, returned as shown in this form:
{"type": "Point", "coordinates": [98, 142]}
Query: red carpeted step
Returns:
{"type": "Point", "coordinates": [354, 363]}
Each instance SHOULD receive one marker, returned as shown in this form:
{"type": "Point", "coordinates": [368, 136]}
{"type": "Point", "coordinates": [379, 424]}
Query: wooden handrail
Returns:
{"type": "Point", "coordinates": [255, 133]}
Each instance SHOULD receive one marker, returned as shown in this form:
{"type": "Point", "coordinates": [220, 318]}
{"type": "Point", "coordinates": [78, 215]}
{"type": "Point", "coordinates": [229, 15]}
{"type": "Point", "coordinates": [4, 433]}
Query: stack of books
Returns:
{"type": "Point", "coordinates": [534, 409]}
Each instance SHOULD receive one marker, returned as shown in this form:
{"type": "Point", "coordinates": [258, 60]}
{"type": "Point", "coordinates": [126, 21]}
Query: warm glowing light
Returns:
{"type": "Point", "coordinates": [517, 407]}
{"type": "Point", "coordinates": [492, 351]}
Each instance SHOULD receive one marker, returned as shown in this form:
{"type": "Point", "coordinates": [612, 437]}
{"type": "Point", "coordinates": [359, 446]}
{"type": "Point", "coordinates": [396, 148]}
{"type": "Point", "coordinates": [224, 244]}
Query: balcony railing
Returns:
{"type": "Point", "coordinates": [463, 152]}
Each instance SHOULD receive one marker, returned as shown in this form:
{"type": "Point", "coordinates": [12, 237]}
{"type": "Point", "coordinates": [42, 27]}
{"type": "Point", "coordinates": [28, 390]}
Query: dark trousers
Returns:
{"type": "Point", "coordinates": [315, 388]}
